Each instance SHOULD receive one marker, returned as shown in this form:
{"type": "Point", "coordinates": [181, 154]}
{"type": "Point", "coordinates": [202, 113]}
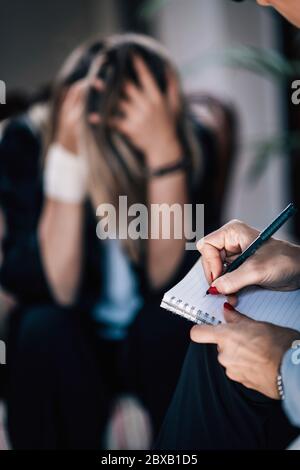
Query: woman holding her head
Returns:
{"type": "Point", "coordinates": [88, 326]}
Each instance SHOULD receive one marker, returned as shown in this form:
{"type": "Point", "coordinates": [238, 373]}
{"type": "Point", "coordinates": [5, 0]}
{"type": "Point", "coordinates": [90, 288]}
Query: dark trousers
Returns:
{"type": "Point", "coordinates": [63, 378]}
{"type": "Point", "coordinates": [211, 412]}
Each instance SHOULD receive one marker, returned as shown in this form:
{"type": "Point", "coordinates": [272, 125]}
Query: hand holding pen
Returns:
{"type": "Point", "coordinates": [274, 264]}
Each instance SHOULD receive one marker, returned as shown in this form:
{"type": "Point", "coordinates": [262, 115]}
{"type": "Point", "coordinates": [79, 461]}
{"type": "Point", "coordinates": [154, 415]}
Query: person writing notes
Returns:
{"type": "Point", "coordinates": [254, 352]}
{"type": "Point", "coordinates": [228, 396]}
{"type": "Point", "coordinates": [234, 375]}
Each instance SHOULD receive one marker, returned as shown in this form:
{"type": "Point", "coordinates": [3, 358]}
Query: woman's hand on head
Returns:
{"type": "Point", "coordinates": [71, 114]}
{"type": "Point", "coordinates": [276, 265]}
{"type": "Point", "coordinates": [149, 117]}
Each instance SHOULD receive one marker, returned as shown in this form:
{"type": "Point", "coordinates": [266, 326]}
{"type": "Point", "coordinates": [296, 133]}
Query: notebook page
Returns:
{"type": "Point", "coordinates": [281, 308]}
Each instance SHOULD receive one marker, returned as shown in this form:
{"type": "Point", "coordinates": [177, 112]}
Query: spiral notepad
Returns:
{"type": "Point", "coordinates": [189, 300]}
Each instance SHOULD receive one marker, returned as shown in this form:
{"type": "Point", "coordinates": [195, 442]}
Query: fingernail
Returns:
{"type": "Point", "coordinates": [213, 291]}
{"type": "Point", "coordinates": [228, 306]}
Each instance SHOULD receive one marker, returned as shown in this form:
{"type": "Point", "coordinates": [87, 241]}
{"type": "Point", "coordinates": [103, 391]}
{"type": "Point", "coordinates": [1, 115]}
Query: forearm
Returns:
{"type": "Point", "coordinates": [60, 238]}
{"type": "Point", "coordinates": [165, 252]}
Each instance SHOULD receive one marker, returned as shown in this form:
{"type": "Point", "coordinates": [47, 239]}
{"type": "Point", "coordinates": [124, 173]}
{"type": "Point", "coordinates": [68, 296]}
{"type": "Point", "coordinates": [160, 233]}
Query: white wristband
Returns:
{"type": "Point", "coordinates": [65, 175]}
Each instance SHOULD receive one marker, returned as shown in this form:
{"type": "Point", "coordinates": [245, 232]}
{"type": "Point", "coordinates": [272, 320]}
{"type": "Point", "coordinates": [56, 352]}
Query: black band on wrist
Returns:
{"type": "Point", "coordinates": [166, 170]}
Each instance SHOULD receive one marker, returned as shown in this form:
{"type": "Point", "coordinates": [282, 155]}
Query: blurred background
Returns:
{"type": "Point", "coordinates": [202, 37]}
{"type": "Point", "coordinates": [241, 53]}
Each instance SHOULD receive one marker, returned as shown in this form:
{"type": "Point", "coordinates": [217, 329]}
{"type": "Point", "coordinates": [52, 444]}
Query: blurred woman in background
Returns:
{"type": "Point", "coordinates": [88, 326]}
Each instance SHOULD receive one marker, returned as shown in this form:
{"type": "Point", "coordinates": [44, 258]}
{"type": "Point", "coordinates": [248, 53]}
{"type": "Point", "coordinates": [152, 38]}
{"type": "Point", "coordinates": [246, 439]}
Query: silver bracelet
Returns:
{"type": "Point", "coordinates": [280, 386]}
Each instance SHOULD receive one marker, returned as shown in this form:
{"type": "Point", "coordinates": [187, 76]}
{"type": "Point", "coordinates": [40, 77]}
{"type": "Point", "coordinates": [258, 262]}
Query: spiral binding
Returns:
{"type": "Point", "coordinates": [190, 312]}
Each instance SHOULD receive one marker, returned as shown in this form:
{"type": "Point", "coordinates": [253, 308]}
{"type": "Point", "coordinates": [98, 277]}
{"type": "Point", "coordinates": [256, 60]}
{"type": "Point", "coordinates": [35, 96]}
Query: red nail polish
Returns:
{"type": "Point", "coordinates": [228, 306]}
{"type": "Point", "coordinates": [213, 291]}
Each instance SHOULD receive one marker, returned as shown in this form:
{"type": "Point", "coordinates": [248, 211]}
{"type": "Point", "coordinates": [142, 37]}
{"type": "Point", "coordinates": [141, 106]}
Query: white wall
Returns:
{"type": "Point", "coordinates": [190, 28]}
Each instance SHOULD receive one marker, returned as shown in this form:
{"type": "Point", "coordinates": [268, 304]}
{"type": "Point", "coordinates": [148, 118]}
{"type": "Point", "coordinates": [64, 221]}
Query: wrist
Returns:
{"type": "Point", "coordinates": [286, 356]}
{"type": "Point", "coordinates": [280, 387]}
{"type": "Point", "coordinates": [164, 155]}
{"type": "Point", "coordinates": [274, 383]}
{"type": "Point", "coordinates": [181, 166]}
{"type": "Point", "coordinates": [65, 175]}
{"type": "Point", "coordinates": [67, 143]}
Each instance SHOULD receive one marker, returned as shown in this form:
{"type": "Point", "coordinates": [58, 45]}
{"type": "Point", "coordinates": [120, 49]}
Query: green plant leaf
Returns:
{"type": "Point", "coordinates": [266, 149]}
{"type": "Point", "coordinates": [263, 62]}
